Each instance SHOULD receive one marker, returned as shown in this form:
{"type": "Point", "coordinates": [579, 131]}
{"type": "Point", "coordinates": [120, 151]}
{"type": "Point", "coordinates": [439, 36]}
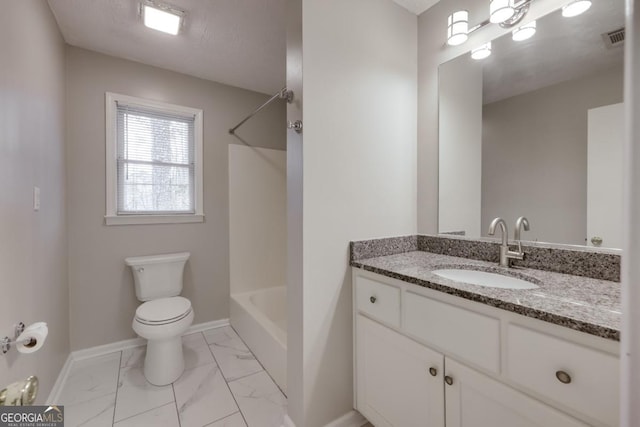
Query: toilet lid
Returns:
{"type": "Point", "coordinates": [163, 310]}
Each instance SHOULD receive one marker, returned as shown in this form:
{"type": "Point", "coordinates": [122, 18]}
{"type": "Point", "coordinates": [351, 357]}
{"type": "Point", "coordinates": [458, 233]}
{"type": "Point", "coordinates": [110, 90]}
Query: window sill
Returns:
{"type": "Point", "coordinates": [152, 219]}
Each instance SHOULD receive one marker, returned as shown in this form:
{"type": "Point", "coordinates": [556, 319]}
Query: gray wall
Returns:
{"type": "Point", "coordinates": [539, 141]}
{"type": "Point", "coordinates": [295, 223]}
{"type": "Point", "coordinates": [358, 177]}
{"type": "Point", "coordinates": [101, 287]}
{"type": "Point", "coordinates": [33, 245]}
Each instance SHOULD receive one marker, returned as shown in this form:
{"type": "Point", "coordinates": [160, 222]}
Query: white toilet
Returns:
{"type": "Point", "coordinates": [163, 316]}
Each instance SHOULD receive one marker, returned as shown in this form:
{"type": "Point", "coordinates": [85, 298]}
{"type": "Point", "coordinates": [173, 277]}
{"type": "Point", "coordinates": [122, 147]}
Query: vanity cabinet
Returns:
{"type": "Point", "coordinates": [422, 359]}
{"type": "Point", "coordinates": [399, 382]}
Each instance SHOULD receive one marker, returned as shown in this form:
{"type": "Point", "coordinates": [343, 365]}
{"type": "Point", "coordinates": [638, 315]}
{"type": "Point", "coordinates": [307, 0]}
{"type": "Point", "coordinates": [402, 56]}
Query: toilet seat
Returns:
{"type": "Point", "coordinates": [163, 311]}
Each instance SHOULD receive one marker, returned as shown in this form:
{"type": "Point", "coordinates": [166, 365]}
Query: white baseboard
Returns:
{"type": "Point", "coordinates": [287, 422]}
{"type": "Point", "coordinates": [135, 342]}
{"type": "Point", "coordinates": [101, 350]}
{"type": "Point", "coordinates": [350, 419]}
{"type": "Point", "coordinates": [54, 395]}
{"type": "Point", "coordinates": [207, 325]}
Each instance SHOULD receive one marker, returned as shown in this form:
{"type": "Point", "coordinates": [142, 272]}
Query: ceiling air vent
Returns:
{"type": "Point", "coordinates": [614, 38]}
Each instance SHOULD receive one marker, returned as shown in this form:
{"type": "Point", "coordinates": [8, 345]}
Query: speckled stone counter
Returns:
{"type": "Point", "coordinates": [575, 260]}
{"type": "Point", "coordinates": [585, 304]}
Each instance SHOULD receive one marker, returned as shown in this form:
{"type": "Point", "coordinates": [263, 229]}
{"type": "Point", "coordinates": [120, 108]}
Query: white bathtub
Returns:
{"type": "Point", "coordinates": [260, 318]}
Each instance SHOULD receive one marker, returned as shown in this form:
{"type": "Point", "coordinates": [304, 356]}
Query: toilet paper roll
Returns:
{"type": "Point", "coordinates": [33, 338]}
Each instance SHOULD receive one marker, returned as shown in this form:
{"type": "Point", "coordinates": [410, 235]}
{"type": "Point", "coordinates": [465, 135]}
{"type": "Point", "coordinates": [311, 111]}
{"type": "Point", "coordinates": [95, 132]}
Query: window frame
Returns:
{"type": "Point", "coordinates": [112, 217]}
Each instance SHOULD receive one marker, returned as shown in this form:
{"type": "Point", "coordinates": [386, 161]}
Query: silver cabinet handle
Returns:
{"type": "Point", "coordinates": [433, 371]}
{"type": "Point", "coordinates": [373, 300]}
{"type": "Point", "coordinates": [563, 377]}
{"type": "Point", "coordinates": [448, 380]}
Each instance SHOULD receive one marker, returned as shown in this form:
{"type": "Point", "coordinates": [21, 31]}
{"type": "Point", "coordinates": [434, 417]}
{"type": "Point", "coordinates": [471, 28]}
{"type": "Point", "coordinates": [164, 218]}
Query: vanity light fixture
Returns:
{"type": "Point", "coordinates": [501, 11]}
{"type": "Point", "coordinates": [575, 8]}
{"type": "Point", "coordinates": [506, 13]}
{"type": "Point", "coordinates": [524, 32]}
{"type": "Point", "coordinates": [457, 28]}
{"type": "Point", "coordinates": [161, 17]}
{"type": "Point", "coordinates": [481, 52]}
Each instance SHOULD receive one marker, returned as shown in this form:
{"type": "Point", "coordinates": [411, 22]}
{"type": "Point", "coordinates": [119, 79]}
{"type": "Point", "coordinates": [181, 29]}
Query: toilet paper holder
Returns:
{"type": "Point", "coordinates": [6, 342]}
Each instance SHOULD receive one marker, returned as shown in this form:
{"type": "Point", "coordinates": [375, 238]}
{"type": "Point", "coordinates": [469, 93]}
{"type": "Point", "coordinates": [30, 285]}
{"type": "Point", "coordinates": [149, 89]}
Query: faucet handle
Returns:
{"type": "Point", "coordinates": [521, 223]}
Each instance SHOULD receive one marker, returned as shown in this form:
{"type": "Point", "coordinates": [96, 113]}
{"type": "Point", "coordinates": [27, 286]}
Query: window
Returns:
{"type": "Point", "coordinates": [154, 155]}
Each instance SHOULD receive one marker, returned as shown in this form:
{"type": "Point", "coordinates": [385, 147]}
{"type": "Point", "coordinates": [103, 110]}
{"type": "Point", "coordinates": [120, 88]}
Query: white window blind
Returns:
{"type": "Point", "coordinates": [155, 161]}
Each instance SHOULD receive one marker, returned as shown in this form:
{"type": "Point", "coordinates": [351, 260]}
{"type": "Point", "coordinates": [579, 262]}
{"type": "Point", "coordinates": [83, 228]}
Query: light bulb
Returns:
{"type": "Point", "coordinates": [575, 8]}
{"type": "Point", "coordinates": [524, 32]}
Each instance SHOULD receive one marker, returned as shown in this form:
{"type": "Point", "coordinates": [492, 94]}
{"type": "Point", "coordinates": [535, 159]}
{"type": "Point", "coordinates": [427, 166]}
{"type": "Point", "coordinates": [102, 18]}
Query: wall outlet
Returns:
{"type": "Point", "coordinates": [36, 198]}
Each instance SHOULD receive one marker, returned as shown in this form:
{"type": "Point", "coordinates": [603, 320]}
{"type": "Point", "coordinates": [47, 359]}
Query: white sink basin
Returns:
{"type": "Point", "coordinates": [483, 278]}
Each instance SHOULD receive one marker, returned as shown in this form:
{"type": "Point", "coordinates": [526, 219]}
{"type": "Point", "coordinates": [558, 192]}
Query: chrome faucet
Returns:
{"type": "Point", "coordinates": [505, 253]}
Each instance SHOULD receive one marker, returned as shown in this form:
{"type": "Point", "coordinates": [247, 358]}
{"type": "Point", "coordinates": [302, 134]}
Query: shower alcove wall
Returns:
{"type": "Point", "coordinates": [257, 240]}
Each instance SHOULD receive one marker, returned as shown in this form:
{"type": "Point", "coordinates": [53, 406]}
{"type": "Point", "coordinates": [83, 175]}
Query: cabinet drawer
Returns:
{"type": "Point", "coordinates": [378, 300]}
{"type": "Point", "coordinates": [537, 361]}
{"type": "Point", "coordinates": [459, 332]}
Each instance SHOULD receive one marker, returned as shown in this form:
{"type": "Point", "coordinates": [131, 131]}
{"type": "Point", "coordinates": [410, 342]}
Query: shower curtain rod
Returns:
{"type": "Point", "coordinates": [282, 94]}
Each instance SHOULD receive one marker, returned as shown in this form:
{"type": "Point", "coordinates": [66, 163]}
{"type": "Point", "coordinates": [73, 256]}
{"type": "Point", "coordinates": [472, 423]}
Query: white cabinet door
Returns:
{"type": "Point", "coordinates": [395, 387]}
{"type": "Point", "coordinates": [475, 400]}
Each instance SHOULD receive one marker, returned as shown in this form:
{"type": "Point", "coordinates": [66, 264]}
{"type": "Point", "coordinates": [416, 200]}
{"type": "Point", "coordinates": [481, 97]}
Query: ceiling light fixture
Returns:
{"type": "Point", "coordinates": [575, 8]}
{"type": "Point", "coordinates": [162, 17]}
{"type": "Point", "coordinates": [457, 28]}
{"type": "Point", "coordinates": [501, 11]}
{"type": "Point", "coordinates": [481, 52]}
{"type": "Point", "coordinates": [524, 32]}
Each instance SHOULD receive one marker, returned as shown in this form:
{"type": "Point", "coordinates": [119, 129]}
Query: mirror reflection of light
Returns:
{"type": "Point", "coordinates": [575, 8]}
{"type": "Point", "coordinates": [481, 52]}
{"type": "Point", "coordinates": [524, 32]}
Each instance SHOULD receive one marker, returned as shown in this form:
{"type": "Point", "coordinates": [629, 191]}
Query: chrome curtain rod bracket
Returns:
{"type": "Point", "coordinates": [281, 94]}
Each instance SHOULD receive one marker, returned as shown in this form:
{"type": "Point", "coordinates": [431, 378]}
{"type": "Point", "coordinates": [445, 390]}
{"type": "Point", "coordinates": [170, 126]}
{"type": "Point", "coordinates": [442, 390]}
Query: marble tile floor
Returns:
{"type": "Point", "coordinates": [223, 385]}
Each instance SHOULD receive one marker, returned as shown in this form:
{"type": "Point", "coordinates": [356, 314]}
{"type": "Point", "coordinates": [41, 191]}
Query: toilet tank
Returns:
{"type": "Point", "coordinates": [158, 276]}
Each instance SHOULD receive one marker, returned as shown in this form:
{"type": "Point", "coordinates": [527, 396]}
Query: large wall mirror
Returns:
{"type": "Point", "coordinates": [536, 130]}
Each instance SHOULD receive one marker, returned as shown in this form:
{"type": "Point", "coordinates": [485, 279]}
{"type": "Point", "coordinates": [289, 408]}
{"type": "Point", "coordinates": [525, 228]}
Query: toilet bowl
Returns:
{"type": "Point", "coordinates": [162, 322]}
{"type": "Point", "coordinates": [163, 316]}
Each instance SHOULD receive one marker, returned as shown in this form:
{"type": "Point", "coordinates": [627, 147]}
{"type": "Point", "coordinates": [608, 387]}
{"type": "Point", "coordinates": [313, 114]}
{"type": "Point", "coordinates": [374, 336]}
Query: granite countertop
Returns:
{"type": "Point", "coordinates": [581, 303]}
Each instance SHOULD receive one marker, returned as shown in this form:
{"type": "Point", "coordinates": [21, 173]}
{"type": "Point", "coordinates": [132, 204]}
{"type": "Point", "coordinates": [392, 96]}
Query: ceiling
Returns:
{"type": "Point", "coordinates": [562, 49]}
{"type": "Point", "coordinates": [416, 6]}
{"type": "Point", "coordinates": [236, 42]}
